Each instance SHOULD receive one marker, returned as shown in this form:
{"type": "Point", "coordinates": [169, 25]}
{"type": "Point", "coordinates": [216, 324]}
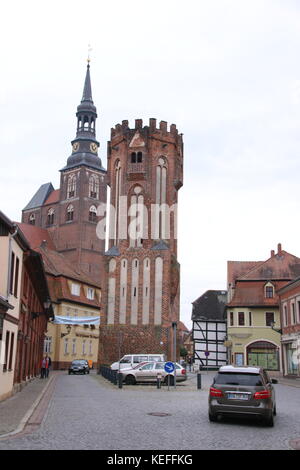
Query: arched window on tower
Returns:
{"type": "Point", "coordinates": [71, 189]}
{"type": "Point", "coordinates": [94, 187]}
{"type": "Point", "coordinates": [32, 219]}
{"type": "Point", "coordinates": [70, 213]}
{"type": "Point", "coordinates": [133, 157]}
{"type": "Point", "coordinates": [50, 216]}
{"type": "Point", "coordinates": [92, 214]}
{"type": "Point", "coordinates": [139, 157]}
{"type": "Point", "coordinates": [86, 123]}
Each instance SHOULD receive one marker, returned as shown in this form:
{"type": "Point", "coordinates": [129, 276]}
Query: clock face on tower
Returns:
{"type": "Point", "coordinates": [75, 146]}
{"type": "Point", "coordinates": [94, 147]}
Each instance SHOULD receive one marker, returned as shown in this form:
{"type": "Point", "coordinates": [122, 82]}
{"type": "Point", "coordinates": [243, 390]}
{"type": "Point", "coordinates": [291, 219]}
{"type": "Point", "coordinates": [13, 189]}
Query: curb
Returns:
{"type": "Point", "coordinates": [27, 416]}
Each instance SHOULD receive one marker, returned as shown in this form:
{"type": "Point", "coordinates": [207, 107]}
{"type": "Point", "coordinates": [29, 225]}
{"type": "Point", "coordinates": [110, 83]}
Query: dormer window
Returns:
{"type": "Point", "coordinates": [32, 219]}
{"type": "Point", "coordinates": [75, 289]}
{"type": "Point", "coordinates": [269, 291]}
{"type": "Point", "coordinates": [90, 293]}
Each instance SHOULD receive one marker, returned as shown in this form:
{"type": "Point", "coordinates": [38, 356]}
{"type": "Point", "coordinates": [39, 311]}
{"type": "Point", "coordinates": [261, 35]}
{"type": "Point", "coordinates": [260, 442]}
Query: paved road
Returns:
{"type": "Point", "coordinates": [86, 412]}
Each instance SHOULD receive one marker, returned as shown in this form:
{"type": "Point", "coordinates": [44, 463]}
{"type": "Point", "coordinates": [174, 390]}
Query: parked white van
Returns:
{"type": "Point", "coordinates": [130, 360]}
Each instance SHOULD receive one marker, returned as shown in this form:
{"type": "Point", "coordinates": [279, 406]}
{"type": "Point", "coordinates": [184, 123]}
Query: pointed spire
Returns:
{"type": "Point", "coordinates": [87, 90]}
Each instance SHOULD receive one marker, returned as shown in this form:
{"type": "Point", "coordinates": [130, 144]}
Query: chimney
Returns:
{"type": "Point", "coordinates": [272, 253]}
{"type": "Point", "coordinates": [279, 249]}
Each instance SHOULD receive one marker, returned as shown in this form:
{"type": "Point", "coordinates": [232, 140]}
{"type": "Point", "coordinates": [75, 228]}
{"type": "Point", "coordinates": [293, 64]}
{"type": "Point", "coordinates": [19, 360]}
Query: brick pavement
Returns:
{"type": "Point", "coordinates": [18, 410]}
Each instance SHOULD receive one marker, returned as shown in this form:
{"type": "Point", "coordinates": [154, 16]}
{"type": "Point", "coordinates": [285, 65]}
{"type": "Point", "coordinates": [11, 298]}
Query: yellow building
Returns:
{"type": "Point", "coordinates": [253, 318]}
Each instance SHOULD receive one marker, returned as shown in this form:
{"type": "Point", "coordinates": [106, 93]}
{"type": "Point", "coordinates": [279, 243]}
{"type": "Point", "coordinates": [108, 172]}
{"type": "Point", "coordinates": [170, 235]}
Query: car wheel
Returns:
{"type": "Point", "coordinates": [212, 418]}
{"type": "Point", "coordinates": [274, 411]}
{"type": "Point", "coordinates": [270, 420]}
{"type": "Point", "coordinates": [130, 380]}
{"type": "Point", "coordinates": [69, 372]}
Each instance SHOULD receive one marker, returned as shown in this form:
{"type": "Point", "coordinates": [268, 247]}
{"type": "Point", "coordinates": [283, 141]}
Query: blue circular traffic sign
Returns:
{"type": "Point", "coordinates": [169, 367]}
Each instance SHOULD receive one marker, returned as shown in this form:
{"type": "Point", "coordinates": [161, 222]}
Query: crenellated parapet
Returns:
{"type": "Point", "coordinates": [162, 130]}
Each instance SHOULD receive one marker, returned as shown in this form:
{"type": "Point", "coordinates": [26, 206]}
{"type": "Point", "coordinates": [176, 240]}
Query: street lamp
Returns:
{"type": "Point", "coordinates": [68, 328]}
{"type": "Point", "coordinates": [278, 330]}
{"type": "Point", "coordinates": [46, 306]}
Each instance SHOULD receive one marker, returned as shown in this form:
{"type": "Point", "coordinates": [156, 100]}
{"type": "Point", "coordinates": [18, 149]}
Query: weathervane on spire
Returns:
{"type": "Point", "coordinates": [89, 51]}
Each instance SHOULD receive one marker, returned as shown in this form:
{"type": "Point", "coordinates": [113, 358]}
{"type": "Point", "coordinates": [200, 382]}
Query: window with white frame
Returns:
{"type": "Point", "coordinates": [47, 344]}
{"type": "Point", "coordinates": [74, 346]}
{"type": "Point", "coordinates": [90, 293]}
{"type": "Point", "coordinates": [66, 346]}
{"type": "Point", "coordinates": [91, 347]}
{"type": "Point", "coordinates": [84, 347]}
{"type": "Point", "coordinates": [75, 289]}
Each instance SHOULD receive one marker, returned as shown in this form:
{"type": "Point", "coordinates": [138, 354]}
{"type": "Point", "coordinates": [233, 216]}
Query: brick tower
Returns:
{"type": "Point", "coordinates": [70, 212]}
{"type": "Point", "coordinates": [141, 288]}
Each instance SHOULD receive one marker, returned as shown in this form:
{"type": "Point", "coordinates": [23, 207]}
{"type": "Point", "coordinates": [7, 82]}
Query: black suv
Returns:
{"type": "Point", "coordinates": [79, 366]}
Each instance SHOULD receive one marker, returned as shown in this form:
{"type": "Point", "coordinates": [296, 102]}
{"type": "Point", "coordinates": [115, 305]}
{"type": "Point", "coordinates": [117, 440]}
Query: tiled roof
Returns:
{"type": "Point", "coordinates": [53, 197]}
{"type": "Point", "coordinates": [251, 293]}
{"type": "Point", "coordinates": [40, 196]}
{"type": "Point", "coordinates": [59, 290]}
{"type": "Point", "coordinates": [280, 266]}
{"type": "Point", "coordinates": [57, 265]}
{"type": "Point", "coordinates": [36, 235]}
{"type": "Point", "coordinates": [236, 269]}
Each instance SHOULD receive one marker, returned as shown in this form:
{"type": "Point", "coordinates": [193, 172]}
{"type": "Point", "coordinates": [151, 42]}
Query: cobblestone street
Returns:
{"type": "Point", "coordinates": [87, 412]}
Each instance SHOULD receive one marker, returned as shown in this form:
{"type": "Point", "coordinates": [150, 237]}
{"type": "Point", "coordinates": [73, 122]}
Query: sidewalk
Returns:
{"type": "Point", "coordinates": [17, 410]}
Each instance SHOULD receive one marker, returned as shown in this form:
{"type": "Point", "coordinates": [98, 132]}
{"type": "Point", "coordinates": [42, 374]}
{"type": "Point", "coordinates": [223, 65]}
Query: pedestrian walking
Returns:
{"type": "Point", "coordinates": [43, 367]}
{"type": "Point", "coordinates": [48, 365]}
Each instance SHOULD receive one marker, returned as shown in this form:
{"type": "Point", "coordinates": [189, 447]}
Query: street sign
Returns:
{"type": "Point", "coordinates": [169, 367]}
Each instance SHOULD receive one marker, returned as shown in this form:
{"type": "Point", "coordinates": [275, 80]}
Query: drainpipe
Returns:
{"type": "Point", "coordinates": [11, 236]}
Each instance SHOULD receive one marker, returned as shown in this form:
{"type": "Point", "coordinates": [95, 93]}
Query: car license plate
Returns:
{"type": "Point", "coordinates": [238, 396]}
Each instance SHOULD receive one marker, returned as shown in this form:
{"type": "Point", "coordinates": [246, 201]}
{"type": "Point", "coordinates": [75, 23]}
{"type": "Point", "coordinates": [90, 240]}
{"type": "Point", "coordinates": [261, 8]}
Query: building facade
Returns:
{"type": "Point", "coordinates": [35, 312]}
{"type": "Point", "coordinates": [253, 313]}
{"type": "Point", "coordinates": [290, 325]}
{"type": "Point", "coordinates": [23, 313]}
{"type": "Point", "coordinates": [209, 330]}
{"type": "Point", "coordinates": [141, 292]}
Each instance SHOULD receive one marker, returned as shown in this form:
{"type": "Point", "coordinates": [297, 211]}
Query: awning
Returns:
{"type": "Point", "coordinates": [59, 320]}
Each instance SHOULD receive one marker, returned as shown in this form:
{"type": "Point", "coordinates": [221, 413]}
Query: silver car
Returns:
{"type": "Point", "coordinates": [242, 391]}
{"type": "Point", "coordinates": [149, 372]}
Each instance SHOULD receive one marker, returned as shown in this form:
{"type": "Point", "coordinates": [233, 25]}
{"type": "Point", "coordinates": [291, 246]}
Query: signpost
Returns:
{"type": "Point", "coordinates": [169, 368]}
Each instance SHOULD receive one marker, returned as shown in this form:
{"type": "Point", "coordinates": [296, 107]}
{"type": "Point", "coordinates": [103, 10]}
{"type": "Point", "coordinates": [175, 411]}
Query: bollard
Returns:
{"type": "Point", "coordinates": [158, 382]}
{"type": "Point", "coordinates": [198, 381]}
{"type": "Point", "coordinates": [120, 379]}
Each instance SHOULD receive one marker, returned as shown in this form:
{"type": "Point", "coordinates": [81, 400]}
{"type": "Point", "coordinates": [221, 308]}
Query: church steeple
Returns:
{"type": "Point", "coordinates": [86, 111]}
{"type": "Point", "coordinates": [85, 146]}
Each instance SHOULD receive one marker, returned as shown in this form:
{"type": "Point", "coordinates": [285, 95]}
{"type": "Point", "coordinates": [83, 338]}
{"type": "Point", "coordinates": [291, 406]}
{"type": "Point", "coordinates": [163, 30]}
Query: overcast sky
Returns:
{"type": "Point", "coordinates": [226, 72]}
